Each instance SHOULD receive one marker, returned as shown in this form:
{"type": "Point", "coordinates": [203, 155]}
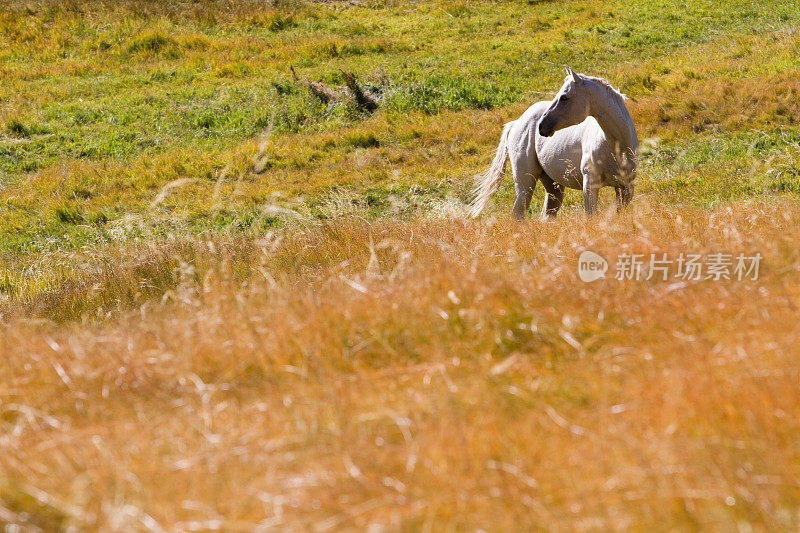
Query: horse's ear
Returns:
{"type": "Point", "coordinates": [572, 73]}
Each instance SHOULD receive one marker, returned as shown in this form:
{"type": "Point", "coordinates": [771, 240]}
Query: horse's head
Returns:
{"type": "Point", "coordinates": [570, 107]}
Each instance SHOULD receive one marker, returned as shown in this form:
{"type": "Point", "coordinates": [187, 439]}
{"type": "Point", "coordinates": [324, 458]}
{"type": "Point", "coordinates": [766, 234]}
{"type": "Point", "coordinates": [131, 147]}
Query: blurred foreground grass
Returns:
{"type": "Point", "coordinates": [405, 376]}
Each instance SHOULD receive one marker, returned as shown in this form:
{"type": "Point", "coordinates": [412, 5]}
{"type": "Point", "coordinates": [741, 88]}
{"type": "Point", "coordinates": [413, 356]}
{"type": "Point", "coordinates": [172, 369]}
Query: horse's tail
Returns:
{"type": "Point", "coordinates": [488, 181]}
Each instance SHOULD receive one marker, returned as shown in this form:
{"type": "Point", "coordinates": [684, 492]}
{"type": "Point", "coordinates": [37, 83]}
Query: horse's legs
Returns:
{"type": "Point", "coordinates": [553, 198]}
{"type": "Point", "coordinates": [526, 171]}
{"type": "Point", "coordinates": [591, 188]}
{"type": "Point", "coordinates": [624, 196]}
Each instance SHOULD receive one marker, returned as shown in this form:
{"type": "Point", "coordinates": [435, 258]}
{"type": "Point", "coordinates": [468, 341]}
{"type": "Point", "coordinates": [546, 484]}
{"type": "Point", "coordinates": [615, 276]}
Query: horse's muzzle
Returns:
{"type": "Point", "coordinates": [545, 130]}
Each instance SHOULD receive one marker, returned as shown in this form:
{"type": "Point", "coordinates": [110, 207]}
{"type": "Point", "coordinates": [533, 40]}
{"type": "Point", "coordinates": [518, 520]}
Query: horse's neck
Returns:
{"type": "Point", "coordinates": [615, 120]}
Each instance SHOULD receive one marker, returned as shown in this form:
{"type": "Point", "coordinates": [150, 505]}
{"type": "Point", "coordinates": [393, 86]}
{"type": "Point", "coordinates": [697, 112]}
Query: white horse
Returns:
{"type": "Point", "coordinates": [583, 139]}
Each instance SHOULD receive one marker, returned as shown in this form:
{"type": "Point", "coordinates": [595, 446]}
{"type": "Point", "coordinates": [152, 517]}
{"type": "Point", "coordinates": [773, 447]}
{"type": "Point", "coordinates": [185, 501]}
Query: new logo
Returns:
{"type": "Point", "coordinates": [591, 266]}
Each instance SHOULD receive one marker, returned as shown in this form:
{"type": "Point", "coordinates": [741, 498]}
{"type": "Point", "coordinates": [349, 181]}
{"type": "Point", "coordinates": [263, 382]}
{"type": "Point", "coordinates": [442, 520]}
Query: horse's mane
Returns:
{"type": "Point", "coordinates": [607, 86]}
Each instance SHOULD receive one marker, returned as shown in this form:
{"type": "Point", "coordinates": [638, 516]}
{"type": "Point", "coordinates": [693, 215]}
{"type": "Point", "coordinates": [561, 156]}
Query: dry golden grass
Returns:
{"type": "Point", "coordinates": [433, 375]}
{"type": "Point", "coordinates": [731, 93]}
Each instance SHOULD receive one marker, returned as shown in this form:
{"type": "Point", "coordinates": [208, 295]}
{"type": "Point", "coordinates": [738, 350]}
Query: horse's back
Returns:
{"type": "Point", "coordinates": [523, 133]}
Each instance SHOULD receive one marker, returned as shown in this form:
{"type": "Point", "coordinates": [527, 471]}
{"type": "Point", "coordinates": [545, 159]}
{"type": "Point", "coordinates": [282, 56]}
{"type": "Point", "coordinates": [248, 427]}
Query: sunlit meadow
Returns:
{"type": "Point", "coordinates": [226, 304]}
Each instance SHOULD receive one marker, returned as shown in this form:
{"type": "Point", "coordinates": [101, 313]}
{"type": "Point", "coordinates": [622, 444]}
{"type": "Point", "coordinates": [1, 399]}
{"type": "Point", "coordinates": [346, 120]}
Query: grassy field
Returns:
{"type": "Point", "coordinates": [227, 305]}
